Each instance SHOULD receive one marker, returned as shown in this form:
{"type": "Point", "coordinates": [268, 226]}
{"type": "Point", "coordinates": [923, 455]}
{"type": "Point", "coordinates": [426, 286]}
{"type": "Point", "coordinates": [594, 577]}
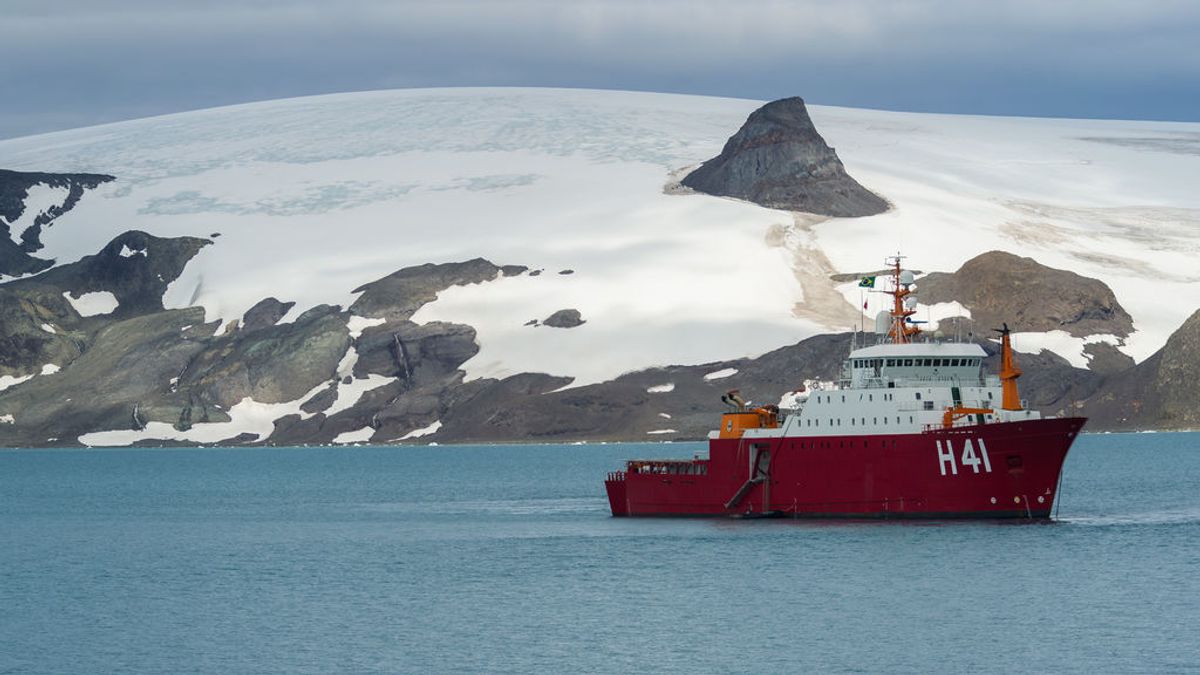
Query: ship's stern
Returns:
{"type": "Point", "coordinates": [615, 486]}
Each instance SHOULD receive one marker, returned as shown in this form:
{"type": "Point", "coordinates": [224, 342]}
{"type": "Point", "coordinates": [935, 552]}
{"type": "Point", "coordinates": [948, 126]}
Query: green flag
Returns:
{"type": "Point", "coordinates": [867, 282]}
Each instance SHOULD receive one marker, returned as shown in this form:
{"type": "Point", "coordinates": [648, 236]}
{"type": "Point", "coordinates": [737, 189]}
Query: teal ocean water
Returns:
{"type": "Point", "coordinates": [504, 559]}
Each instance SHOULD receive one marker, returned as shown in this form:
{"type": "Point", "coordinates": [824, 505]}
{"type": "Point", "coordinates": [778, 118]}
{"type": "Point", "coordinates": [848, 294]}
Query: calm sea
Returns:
{"type": "Point", "coordinates": [504, 559]}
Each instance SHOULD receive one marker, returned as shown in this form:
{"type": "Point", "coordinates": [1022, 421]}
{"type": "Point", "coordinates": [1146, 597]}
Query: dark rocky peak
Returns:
{"type": "Point", "coordinates": [15, 258]}
{"type": "Point", "coordinates": [778, 160]}
{"type": "Point", "coordinates": [1000, 287]}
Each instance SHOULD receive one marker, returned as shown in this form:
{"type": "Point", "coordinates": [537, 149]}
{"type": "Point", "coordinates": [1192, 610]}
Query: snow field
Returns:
{"type": "Point", "coordinates": [345, 189]}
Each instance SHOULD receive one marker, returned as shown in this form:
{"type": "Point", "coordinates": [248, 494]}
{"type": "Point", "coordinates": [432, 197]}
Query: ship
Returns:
{"type": "Point", "coordinates": [913, 428]}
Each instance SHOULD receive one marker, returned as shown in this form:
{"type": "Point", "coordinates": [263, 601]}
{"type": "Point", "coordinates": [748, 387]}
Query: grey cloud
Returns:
{"type": "Point", "coordinates": [84, 62]}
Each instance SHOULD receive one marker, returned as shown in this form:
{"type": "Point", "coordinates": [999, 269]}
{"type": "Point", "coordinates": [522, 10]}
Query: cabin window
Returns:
{"type": "Point", "coordinates": [851, 421]}
{"type": "Point", "coordinates": [989, 395]}
{"type": "Point", "coordinates": [918, 396]}
{"type": "Point", "coordinates": [910, 419]}
{"type": "Point", "coordinates": [843, 398]}
{"type": "Point", "coordinates": [870, 397]}
{"type": "Point", "coordinates": [891, 362]}
{"type": "Point", "coordinates": [908, 362]}
{"type": "Point", "coordinates": [929, 405]}
{"type": "Point", "coordinates": [874, 420]}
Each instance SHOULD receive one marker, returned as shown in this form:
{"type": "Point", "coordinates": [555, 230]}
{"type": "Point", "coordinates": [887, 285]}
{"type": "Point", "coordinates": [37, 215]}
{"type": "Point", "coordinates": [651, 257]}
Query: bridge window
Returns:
{"type": "Point", "coordinates": [908, 362]}
{"type": "Point", "coordinates": [891, 362]}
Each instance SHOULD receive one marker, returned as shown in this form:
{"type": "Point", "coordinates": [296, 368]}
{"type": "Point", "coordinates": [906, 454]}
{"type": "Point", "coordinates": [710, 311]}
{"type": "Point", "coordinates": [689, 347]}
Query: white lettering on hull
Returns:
{"type": "Point", "coordinates": [968, 458]}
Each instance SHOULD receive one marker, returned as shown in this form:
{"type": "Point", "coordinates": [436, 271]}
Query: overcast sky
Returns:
{"type": "Point", "coordinates": [70, 63]}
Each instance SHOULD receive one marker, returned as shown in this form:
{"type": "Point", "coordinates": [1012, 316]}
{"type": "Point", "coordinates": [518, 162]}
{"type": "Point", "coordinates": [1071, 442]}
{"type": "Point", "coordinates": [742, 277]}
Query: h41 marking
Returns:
{"type": "Point", "coordinates": [968, 458]}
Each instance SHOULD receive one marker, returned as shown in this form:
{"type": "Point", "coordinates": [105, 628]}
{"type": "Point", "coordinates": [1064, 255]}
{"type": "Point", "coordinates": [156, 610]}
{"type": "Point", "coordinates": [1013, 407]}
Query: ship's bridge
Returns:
{"type": "Point", "coordinates": [887, 365]}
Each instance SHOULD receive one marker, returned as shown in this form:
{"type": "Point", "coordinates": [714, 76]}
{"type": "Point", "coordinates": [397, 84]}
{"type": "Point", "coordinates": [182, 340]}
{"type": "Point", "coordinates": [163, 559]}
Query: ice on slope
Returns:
{"type": "Point", "coordinates": [39, 199]}
{"type": "Point", "coordinates": [1062, 343]}
{"type": "Point", "coordinates": [344, 189]}
{"type": "Point", "coordinates": [93, 304]}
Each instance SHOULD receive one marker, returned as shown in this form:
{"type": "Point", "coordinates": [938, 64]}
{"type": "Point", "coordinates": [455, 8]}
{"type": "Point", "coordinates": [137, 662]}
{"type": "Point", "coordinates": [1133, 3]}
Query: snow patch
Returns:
{"type": "Point", "coordinates": [357, 324]}
{"type": "Point", "coordinates": [93, 304]}
{"type": "Point", "coordinates": [49, 329]}
{"type": "Point", "coordinates": [662, 431]}
{"type": "Point", "coordinates": [7, 419]}
{"type": "Point", "coordinates": [127, 252]}
{"type": "Point", "coordinates": [423, 431]}
{"type": "Point", "coordinates": [7, 381]}
{"type": "Point", "coordinates": [246, 417]}
{"type": "Point", "coordinates": [50, 369]}
{"type": "Point", "coordinates": [1062, 343]}
{"type": "Point", "coordinates": [665, 416]}
{"type": "Point", "coordinates": [661, 388]}
{"type": "Point", "coordinates": [937, 312]}
{"type": "Point", "coordinates": [348, 395]}
{"type": "Point", "coordinates": [720, 374]}
{"type": "Point", "coordinates": [357, 436]}
{"type": "Point", "coordinates": [39, 199]}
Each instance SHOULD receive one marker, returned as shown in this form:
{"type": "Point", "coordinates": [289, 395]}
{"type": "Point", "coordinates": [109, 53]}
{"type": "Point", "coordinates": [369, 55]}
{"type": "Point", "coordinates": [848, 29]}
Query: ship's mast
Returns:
{"type": "Point", "coordinates": [901, 332]}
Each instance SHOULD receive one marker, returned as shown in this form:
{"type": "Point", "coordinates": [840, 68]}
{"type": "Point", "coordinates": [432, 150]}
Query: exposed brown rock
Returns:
{"type": "Point", "coordinates": [999, 287]}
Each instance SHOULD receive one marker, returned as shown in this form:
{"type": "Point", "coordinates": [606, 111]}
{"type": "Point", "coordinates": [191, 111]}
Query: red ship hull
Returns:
{"type": "Point", "coordinates": [997, 470]}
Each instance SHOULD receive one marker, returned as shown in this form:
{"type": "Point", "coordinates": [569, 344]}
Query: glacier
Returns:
{"type": "Point", "coordinates": [313, 196]}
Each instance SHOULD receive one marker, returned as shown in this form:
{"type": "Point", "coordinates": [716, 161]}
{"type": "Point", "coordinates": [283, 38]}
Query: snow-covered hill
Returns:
{"type": "Point", "coordinates": [315, 196]}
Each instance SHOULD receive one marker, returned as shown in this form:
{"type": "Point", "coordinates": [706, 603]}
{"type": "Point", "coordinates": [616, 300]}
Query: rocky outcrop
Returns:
{"type": "Point", "coordinates": [15, 258]}
{"type": "Point", "coordinates": [265, 313]}
{"type": "Point", "coordinates": [1162, 392]}
{"type": "Point", "coordinates": [1000, 287]}
{"type": "Point", "coordinates": [141, 364]}
{"type": "Point", "coordinates": [400, 294]}
{"type": "Point", "coordinates": [564, 318]}
{"type": "Point", "coordinates": [40, 326]}
{"type": "Point", "coordinates": [778, 160]}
